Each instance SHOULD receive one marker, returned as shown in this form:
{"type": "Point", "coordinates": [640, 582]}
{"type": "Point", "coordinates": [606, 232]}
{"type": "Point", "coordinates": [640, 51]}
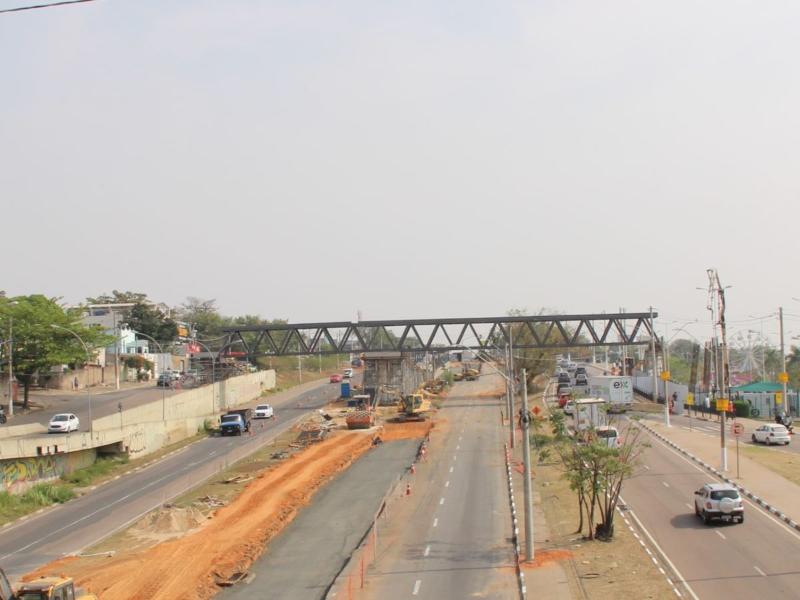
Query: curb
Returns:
{"type": "Point", "coordinates": [760, 501]}
{"type": "Point", "coordinates": [520, 575]}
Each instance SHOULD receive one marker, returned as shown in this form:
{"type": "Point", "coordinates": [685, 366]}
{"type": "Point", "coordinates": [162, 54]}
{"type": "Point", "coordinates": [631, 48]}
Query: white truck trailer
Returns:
{"type": "Point", "coordinates": [589, 414]}
{"type": "Point", "coordinates": [616, 390]}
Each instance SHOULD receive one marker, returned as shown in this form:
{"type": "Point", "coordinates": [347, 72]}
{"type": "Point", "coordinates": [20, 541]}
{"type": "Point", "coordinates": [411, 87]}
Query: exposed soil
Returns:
{"type": "Point", "coordinates": [406, 431]}
{"type": "Point", "coordinates": [187, 568]}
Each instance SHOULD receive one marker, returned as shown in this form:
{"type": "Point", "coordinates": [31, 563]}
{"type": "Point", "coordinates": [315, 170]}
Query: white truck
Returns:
{"type": "Point", "coordinates": [616, 390]}
{"type": "Point", "coordinates": [589, 414]}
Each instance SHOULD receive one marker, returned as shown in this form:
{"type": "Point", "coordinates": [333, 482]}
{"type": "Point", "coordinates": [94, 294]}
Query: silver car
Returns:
{"type": "Point", "coordinates": [63, 423]}
{"type": "Point", "coordinates": [771, 434]}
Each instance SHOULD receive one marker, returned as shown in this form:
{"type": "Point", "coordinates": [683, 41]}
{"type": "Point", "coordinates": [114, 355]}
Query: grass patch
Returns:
{"type": "Point", "coordinates": [101, 469]}
{"type": "Point", "coordinates": [783, 463]}
{"type": "Point", "coordinates": [13, 506]}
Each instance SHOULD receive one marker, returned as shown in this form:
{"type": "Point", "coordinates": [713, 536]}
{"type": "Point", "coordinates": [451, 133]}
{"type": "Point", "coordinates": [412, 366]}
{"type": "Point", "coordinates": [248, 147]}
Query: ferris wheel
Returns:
{"type": "Point", "coordinates": [749, 353]}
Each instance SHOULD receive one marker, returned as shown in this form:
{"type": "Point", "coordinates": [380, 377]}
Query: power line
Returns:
{"type": "Point", "coordinates": [35, 6]}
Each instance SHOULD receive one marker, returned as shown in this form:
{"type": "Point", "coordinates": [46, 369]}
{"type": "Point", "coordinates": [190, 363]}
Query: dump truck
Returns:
{"type": "Point", "coordinates": [236, 422]}
{"type": "Point", "coordinates": [44, 588]}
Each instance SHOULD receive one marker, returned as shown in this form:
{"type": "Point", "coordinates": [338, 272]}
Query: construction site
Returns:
{"type": "Point", "coordinates": [206, 541]}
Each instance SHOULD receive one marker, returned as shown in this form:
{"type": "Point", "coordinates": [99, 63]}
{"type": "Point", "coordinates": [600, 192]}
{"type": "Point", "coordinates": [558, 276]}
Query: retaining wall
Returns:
{"type": "Point", "coordinates": [137, 431]}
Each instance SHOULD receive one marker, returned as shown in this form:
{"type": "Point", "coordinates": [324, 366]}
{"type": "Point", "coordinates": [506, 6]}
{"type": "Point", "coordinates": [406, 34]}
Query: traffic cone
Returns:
{"type": "Point", "coordinates": [408, 489]}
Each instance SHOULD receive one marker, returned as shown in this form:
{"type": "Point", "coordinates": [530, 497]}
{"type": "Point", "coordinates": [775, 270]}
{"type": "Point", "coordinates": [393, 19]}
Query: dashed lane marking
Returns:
{"type": "Point", "coordinates": [435, 522]}
{"type": "Point", "coordinates": [665, 484]}
{"type": "Point", "coordinates": [451, 469]}
{"type": "Point", "coordinates": [441, 501]}
{"type": "Point", "coordinates": [720, 534]}
{"type": "Point", "coordinates": [417, 584]}
{"type": "Point", "coordinates": [760, 572]}
{"type": "Point", "coordinates": [446, 484]}
{"type": "Point", "coordinates": [427, 551]}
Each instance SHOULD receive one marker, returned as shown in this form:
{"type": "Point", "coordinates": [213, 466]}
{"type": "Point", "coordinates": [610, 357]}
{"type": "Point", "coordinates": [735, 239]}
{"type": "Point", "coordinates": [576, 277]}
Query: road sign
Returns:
{"type": "Point", "coordinates": [722, 405]}
{"type": "Point", "coordinates": [664, 375]}
{"type": "Point", "coordinates": [737, 428]}
{"type": "Point", "coordinates": [783, 377]}
{"type": "Point", "coordinates": [778, 397]}
{"type": "Point", "coordinates": [689, 399]}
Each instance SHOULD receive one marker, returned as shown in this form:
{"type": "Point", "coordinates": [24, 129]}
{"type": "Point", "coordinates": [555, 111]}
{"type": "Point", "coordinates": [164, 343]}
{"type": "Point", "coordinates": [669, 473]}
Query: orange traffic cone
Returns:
{"type": "Point", "coordinates": [408, 489]}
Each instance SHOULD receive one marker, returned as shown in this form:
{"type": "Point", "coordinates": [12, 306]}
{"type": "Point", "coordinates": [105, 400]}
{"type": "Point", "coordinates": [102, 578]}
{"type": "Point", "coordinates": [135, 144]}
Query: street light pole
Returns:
{"type": "Point", "coordinates": [655, 367]}
{"type": "Point", "coordinates": [526, 457]}
{"type": "Point", "coordinates": [784, 377]}
{"type": "Point", "coordinates": [213, 377]}
{"type": "Point", "coordinates": [86, 370]}
{"type": "Point", "coordinates": [163, 388]}
{"type": "Point", "coordinates": [10, 366]}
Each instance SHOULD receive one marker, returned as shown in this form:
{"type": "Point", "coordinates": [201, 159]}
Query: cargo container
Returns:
{"type": "Point", "coordinates": [616, 390]}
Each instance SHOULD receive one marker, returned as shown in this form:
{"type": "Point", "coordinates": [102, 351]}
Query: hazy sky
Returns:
{"type": "Point", "coordinates": [409, 159]}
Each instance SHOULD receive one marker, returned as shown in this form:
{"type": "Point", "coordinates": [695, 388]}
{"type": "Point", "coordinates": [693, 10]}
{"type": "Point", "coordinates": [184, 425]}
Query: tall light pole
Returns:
{"type": "Point", "coordinates": [655, 368]}
{"type": "Point", "coordinates": [163, 388]}
{"type": "Point", "coordinates": [11, 359]}
{"type": "Point", "coordinates": [526, 458]}
{"type": "Point", "coordinates": [86, 370]}
{"type": "Point", "coordinates": [784, 375]}
{"type": "Point", "coordinates": [213, 376]}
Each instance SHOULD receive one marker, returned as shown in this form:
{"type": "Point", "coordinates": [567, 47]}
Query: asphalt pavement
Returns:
{"type": "Point", "coordinates": [75, 525]}
{"type": "Point", "coordinates": [301, 562]}
{"type": "Point", "coordinates": [457, 542]}
{"type": "Point", "coordinates": [758, 558]}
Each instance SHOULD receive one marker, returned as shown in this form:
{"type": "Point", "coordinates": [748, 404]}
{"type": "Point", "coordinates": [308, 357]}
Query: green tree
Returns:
{"type": "Point", "coordinates": [203, 316]}
{"type": "Point", "coordinates": [117, 297]}
{"type": "Point", "coordinates": [147, 319]}
{"type": "Point", "coordinates": [38, 346]}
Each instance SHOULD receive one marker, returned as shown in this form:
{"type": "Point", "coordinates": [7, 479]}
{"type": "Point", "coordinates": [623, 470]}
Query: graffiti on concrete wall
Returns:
{"type": "Point", "coordinates": [22, 472]}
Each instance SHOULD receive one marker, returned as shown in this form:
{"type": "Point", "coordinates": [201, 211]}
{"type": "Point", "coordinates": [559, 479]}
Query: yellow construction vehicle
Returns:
{"type": "Point", "coordinates": [413, 407]}
{"type": "Point", "coordinates": [44, 588]}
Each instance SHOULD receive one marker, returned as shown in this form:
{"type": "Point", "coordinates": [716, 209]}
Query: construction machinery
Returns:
{"type": "Point", "coordinates": [414, 407]}
{"type": "Point", "coordinates": [44, 588]}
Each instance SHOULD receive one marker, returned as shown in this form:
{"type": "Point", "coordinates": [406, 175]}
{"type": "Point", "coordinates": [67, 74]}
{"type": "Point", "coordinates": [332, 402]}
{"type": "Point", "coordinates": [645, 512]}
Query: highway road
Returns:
{"type": "Point", "coordinates": [758, 558]}
{"type": "Point", "coordinates": [71, 527]}
{"type": "Point", "coordinates": [456, 542]}
{"type": "Point", "coordinates": [104, 402]}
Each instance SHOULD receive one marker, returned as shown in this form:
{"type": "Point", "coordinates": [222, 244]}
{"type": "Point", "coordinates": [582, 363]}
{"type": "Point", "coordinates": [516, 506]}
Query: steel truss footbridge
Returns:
{"type": "Point", "coordinates": [438, 335]}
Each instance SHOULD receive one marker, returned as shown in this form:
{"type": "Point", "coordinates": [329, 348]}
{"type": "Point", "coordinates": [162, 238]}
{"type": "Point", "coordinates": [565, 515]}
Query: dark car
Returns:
{"type": "Point", "coordinates": [580, 371]}
{"type": "Point", "coordinates": [581, 379]}
{"type": "Point", "coordinates": [564, 378]}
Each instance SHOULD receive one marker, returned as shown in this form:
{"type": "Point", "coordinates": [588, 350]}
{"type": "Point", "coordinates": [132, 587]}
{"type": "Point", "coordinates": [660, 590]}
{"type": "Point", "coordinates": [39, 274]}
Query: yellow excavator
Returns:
{"type": "Point", "coordinates": [414, 407]}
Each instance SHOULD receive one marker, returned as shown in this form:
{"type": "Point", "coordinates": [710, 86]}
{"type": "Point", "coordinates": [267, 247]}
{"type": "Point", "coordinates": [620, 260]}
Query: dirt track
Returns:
{"type": "Point", "coordinates": [185, 568]}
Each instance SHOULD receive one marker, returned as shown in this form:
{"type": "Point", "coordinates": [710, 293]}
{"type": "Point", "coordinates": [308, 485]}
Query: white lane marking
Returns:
{"type": "Point", "coordinates": [451, 469]}
{"type": "Point", "coordinates": [689, 506]}
{"type": "Point", "coordinates": [435, 522]}
{"type": "Point", "coordinates": [720, 534]}
{"type": "Point", "coordinates": [646, 467]}
{"type": "Point", "coordinates": [212, 453]}
{"type": "Point", "coordinates": [665, 484]}
{"type": "Point", "coordinates": [427, 551]}
{"type": "Point", "coordinates": [447, 484]}
{"type": "Point", "coordinates": [454, 456]}
{"type": "Point", "coordinates": [458, 447]}
{"type": "Point", "coordinates": [441, 501]}
{"type": "Point", "coordinates": [661, 552]}
{"type": "Point", "coordinates": [760, 572]}
{"type": "Point", "coordinates": [417, 583]}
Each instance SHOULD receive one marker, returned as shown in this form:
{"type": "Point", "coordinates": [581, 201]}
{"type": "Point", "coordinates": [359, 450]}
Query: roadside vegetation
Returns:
{"type": "Point", "coordinates": [618, 569]}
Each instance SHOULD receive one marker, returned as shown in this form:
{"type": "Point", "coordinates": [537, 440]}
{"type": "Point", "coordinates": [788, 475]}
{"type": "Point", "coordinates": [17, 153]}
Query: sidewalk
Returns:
{"type": "Point", "coordinates": [761, 481]}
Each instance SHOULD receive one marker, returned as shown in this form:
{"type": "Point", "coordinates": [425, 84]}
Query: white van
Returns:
{"type": "Point", "coordinates": [609, 435]}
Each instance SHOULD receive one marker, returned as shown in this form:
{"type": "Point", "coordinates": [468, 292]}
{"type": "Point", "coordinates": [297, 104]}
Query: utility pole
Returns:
{"type": "Point", "coordinates": [116, 348]}
{"type": "Point", "coordinates": [511, 381]}
{"type": "Point", "coordinates": [784, 375]}
{"type": "Point", "coordinates": [10, 366]}
{"type": "Point", "coordinates": [723, 378]}
{"type": "Point", "coordinates": [655, 367]}
{"type": "Point", "coordinates": [509, 405]}
{"type": "Point", "coordinates": [526, 456]}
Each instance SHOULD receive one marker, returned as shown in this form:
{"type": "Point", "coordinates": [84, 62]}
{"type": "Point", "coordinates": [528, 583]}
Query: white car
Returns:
{"type": "Point", "coordinates": [771, 434]}
{"type": "Point", "coordinates": [264, 411]}
{"type": "Point", "coordinates": [569, 408]}
{"type": "Point", "coordinates": [718, 501]}
{"type": "Point", "coordinates": [348, 373]}
{"type": "Point", "coordinates": [63, 423]}
{"type": "Point", "coordinates": [608, 435]}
